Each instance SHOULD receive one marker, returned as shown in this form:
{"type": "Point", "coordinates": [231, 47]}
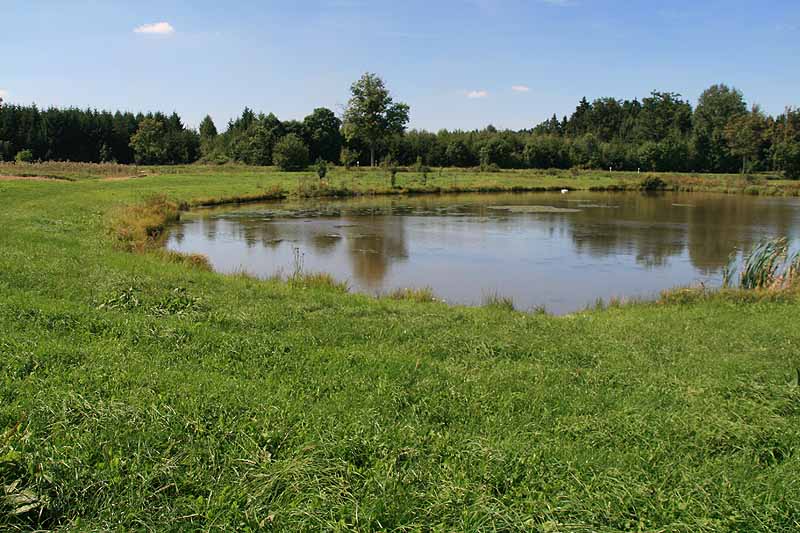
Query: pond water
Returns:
{"type": "Point", "coordinates": [560, 251]}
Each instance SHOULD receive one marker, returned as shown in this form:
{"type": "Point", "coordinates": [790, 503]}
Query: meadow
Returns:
{"type": "Point", "coordinates": [141, 391]}
{"type": "Point", "coordinates": [366, 180]}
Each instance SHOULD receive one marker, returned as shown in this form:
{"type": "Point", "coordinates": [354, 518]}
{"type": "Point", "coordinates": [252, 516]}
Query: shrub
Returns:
{"type": "Point", "coordinates": [348, 158]}
{"type": "Point", "coordinates": [322, 168]}
{"type": "Point", "coordinates": [290, 153]}
{"type": "Point", "coordinates": [390, 166]}
{"type": "Point", "coordinates": [652, 183]}
{"type": "Point", "coordinates": [220, 159]}
{"type": "Point", "coordinates": [24, 156]}
{"type": "Point", "coordinates": [423, 169]}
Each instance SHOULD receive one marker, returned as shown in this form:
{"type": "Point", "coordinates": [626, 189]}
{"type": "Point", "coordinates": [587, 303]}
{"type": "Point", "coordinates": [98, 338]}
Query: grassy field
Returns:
{"type": "Point", "coordinates": [139, 393]}
{"type": "Point", "coordinates": [365, 180]}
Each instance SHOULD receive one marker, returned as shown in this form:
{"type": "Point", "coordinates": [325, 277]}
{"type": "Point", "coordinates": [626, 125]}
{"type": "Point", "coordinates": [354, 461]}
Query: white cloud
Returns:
{"type": "Point", "coordinates": [477, 94]}
{"type": "Point", "coordinates": [157, 28]}
{"type": "Point", "coordinates": [520, 88]}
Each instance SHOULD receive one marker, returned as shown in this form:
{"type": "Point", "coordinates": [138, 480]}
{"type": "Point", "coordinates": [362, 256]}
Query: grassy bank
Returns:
{"type": "Point", "coordinates": [148, 394]}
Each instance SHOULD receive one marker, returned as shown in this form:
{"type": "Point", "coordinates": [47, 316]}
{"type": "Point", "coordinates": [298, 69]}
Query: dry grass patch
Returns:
{"type": "Point", "coordinates": [140, 227]}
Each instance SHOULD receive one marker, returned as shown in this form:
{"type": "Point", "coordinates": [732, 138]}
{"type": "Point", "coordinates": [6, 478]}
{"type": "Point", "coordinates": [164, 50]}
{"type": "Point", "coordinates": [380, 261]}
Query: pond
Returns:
{"type": "Point", "coordinates": [562, 252]}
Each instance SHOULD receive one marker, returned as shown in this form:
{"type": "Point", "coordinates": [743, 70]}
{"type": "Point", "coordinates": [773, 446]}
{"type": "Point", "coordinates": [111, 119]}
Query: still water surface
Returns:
{"type": "Point", "coordinates": [562, 252]}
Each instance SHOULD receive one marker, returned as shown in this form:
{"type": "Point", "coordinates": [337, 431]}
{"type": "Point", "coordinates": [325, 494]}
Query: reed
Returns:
{"type": "Point", "coordinates": [768, 266]}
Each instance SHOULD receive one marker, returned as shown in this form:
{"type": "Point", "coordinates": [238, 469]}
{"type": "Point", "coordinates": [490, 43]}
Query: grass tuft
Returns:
{"type": "Point", "coordinates": [502, 303]}
{"type": "Point", "coordinates": [421, 295]}
{"type": "Point", "coordinates": [196, 261]}
{"type": "Point", "coordinates": [318, 280]}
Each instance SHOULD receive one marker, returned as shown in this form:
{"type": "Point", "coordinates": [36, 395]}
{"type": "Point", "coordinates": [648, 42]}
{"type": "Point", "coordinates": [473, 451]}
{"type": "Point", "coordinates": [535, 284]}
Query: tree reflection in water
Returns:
{"type": "Point", "coordinates": [463, 244]}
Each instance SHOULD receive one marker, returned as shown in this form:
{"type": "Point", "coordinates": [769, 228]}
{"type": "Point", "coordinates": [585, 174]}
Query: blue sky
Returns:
{"type": "Point", "coordinates": [458, 63]}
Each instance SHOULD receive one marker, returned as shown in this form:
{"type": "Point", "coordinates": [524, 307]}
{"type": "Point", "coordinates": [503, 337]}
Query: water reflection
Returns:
{"type": "Point", "coordinates": [593, 245]}
{"type": "Point", "coordinates": [373, 252]}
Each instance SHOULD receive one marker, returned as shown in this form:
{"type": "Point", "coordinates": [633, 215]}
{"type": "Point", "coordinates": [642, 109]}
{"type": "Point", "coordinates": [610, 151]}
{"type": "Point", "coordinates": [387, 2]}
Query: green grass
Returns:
{"type": "Point", "coordinates": [421, 295]}
{"type": "Point", "coordinates": [498, 302]}
{"type": "Point", "coordinates": [143, 393]}
{"type": "Point", "coordinates": [342, 182]}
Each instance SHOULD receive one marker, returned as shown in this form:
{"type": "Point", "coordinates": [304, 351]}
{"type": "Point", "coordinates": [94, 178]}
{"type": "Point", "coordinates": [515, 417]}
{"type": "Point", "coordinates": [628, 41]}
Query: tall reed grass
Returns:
{"type": "Point", "coordinates": [769, 265]}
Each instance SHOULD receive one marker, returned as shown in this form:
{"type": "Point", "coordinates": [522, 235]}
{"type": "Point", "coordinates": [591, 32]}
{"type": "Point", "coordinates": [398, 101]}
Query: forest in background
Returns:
{"type": "Point", "coordinates": [660, 132]}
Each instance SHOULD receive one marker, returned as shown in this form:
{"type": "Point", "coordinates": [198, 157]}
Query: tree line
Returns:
{"type": "Point", "coordinates": [660, 132]}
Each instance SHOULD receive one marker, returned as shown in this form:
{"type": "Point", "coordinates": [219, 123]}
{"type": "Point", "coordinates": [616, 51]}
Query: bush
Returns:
{"type": "Point", "coordinates": [422, 169]}
{"type": "Point", "coordinates": [322, 168]}
{"type": "Point", "coordinates": [348, 158]}
{"type": "Point", "coordinates": [220, 159]}
{"type": "Point", "coordinates": [390, 166]}
{"type": "Point", "coordinates": [290, 153]}
{"type": "Point", "coordinates": [24, 156]}
{"type": "Point", "coordinates": [652, 183]}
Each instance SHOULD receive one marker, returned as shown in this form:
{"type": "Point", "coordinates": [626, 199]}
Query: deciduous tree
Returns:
{"type": "Point", "coordinates": [291, 153]}
{"type": "Point", "coordinates": [149, 143]}
{"type": "Point", "coordinates": [372, 114]}
{"type": "Point", "coordinates": [323, 130]}
{"type": "Point", "coordinates": [745, 136]}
